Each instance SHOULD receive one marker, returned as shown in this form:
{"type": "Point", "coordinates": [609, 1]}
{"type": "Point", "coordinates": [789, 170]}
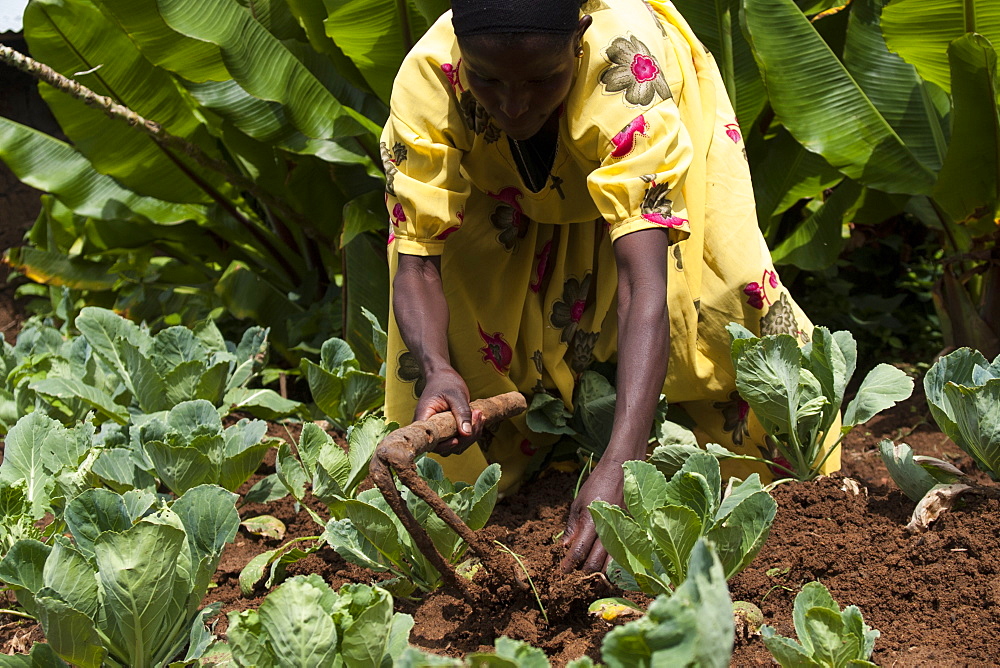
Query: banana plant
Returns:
{"type": "Point", "coordinates": [268, 189]}
{"type": "Point", "coordinates": [902, 103]}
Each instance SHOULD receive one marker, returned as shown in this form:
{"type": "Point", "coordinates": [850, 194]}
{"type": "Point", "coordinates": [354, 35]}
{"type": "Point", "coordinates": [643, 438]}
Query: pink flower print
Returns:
{"type": "Point", "coordinates": [509, 218]}
{"type": "Point", "coordinates": [447, 233]}
{"type": "Point", "coordinates": [733, 131]}
{"type": "Point", "coordinates": [451, 71]}
{"type": "Point", "coordinates": [541, 264]}
{"type": "Point", "coordinates": [756, 295]}
{"type": "Point", "coordinates": [643, 68]}
{"type": "Point", "coordinates": [526, 448]}
{"type": "Point", "coordinates": [757, 292]}
{"type": "Point", "coordinates": [577, 309]}
{"type": "Point", "coordinates": [624, 141]}
{"type": "Point", "coordinates": [398, 216]}
{"type": "Point", "coordinates": [496, 351]}
{"type": "Point", "coordinates": [461, 216]}
{"type": "Point", "coordinates": [392, 237]}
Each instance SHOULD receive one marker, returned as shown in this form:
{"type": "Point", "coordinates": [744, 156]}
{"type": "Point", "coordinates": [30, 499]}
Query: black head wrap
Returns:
{"type": "Point", "coordinates": [489, 17]}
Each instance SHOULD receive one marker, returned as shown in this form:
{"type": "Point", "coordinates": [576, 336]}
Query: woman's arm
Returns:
{"type": "Point", "coordinates": [643, 350]}
{"type": "Point", "coordinates": [421, 313]}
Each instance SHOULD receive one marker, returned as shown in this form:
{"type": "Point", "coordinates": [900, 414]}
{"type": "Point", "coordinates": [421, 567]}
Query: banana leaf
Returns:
{"type": "Point", "coordinates": [920, 31]}
{"type": "Point", "coordinates": [263, 66]}
{"type": "Point", "coordinates": [55, 167]}
{"type": "Point", "coordinates": [376, 34]}
{"type": "Point", "coordinates": [814, 96]}
{"type": "Point", "coordinates": [816, 243]}
{"type": "Point", "coordinates": [785, 173]}
{"type": "Point", "coordinates": [192, 59]}
{"type": "Point", "coordinates": [968, 186]}
{"type": "Point", "coordinates": [77, 40]}
{"type": "Point", "coordinates": [915, 109]}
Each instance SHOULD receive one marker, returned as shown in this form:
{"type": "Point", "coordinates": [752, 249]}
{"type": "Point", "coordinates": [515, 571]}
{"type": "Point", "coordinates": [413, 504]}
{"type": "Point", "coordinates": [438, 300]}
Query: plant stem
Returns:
{"type": "Point", "coordinates": [18, 613]}
{"type": "Point", "coordinates": [969, 15]}
{"type": "Point", "coordinates": [815, 470]}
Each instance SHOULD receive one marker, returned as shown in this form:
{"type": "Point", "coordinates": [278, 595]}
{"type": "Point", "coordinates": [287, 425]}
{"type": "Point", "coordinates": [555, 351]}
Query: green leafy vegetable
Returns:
{"type": "Point", "coordinates": [126, 589]}
{"type": "Point", "coordinates": [797, 393]}
{"type": "Point", "coordinates": [963, 393]}
{"type": "Point", "coordinates": [366, 532]}
{"type": "Point", "coordinates": [305, 623]}
{"type": "Point", "coordinates": [589, 424]}
{"type": "Point", "coordinates": [188, 447]}
{"type": "Point", "coordinates": [693, 627]}
{"type": "Point", "coordinates": [827, 636]}
{"type": "Point", "coordinates": [916, 475]}
{"type": "Point", "coordinates": [654, 541]}
{"type": "Point", "coordinates": [339, 387]}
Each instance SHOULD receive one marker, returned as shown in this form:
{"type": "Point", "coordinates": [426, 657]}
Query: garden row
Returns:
{"type": "Point", "coordinates": [138, 501]}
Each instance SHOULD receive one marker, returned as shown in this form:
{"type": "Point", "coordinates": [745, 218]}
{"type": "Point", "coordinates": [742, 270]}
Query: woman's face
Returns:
{"type": "Point", "coordinates": [521, 83]}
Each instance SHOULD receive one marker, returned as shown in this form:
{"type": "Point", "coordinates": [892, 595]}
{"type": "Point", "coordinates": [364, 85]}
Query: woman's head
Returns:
{"type": "Point", "coordinates": [519, 57]}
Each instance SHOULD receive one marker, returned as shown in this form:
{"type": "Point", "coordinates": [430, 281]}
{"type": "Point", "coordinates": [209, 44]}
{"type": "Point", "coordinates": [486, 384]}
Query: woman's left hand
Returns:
{"type": "Point", "coordinates": [585, 551]}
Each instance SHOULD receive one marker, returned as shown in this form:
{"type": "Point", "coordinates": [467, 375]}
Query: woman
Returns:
{"type": "Point", "coordinates": [568, 184]}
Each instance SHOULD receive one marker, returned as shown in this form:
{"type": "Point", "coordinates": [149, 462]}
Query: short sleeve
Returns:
{"type": "Point", "coordinates": [422, 147]}
{"type": "Point", "coordinates": [640, 181]}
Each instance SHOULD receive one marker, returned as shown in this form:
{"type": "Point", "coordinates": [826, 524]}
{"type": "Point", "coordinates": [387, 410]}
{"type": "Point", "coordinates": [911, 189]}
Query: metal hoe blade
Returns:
{"type": "Point", "coordinates": [397, 452]}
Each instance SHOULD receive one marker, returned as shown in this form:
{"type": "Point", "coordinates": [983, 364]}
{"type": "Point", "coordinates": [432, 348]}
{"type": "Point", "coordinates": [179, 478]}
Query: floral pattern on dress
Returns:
{"type": "Point", "coordinates": [733, 132]}
{"type": "Point", "coordinates": [541, 266]}
{"type": "Point", "coordinates": [656, 208]}
{"type": "Point", "coordinates": [780, 319]}
{"type": "Point", "coordinates": [678, 257]}
{"type": "Point", "coordinates": [451, 71]}
{"type": "Point", "coordinates": [508, 217]}
{"type": "Point", "coordinates": [770, 452]}
{"type": "Point", "coordinates": [398, 216]}
{"type": "Point", "coordinates": [408, 370]}
{"type": "Point", "coordinates": [399, 153]}
{"type": "Point", "coordinates": [735, 415]}
{"type": "Point", "coordinates": [389, 166]}
{"type": "Point", "coordinates": [477, 119]}
{"type": "Point", "coordinates": [624, 141]}
{"type": "Point", "coordinates": [496, 351]}
{"type": "Point", "coordinates": [568, 311]}
{"type": "Point", "coordinates": [582, 350]}
{"type": "Point", "coordinates": [757, 292]}
{"type": "Point", "coordinates": [634, 70]}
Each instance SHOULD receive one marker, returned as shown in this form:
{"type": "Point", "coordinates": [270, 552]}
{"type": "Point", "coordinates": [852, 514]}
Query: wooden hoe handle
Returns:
{"type": "Point", "coordinates": [397, 452]}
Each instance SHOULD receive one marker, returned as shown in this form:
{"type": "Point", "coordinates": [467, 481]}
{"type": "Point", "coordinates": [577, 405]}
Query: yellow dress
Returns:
{"type": "Point", "coordinates": [647, 138]}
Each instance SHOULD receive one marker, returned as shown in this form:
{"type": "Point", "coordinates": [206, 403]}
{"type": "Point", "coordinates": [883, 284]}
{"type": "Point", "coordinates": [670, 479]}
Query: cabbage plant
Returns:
{"type": "Point", "coordinates": [963, 393]}
{"type": "Point", "coordinates": [365, 531]}
{"type": "Point", "coordinates": [827, 636]}
{"type": "Point", "coordinates": [125, 587]}
{"type": "Point", "coordinates": [305, 623]}
{"type": "Point", "coordinates": [796, 393]}
{"type": "Point", "coordinates": [187, 446]}
{"type": "Point", "coordinates": [339, 387]}
{"type": "Point", "coordinates": [155, 372]}
{"type": "Point", "coordinates": [652, 544]}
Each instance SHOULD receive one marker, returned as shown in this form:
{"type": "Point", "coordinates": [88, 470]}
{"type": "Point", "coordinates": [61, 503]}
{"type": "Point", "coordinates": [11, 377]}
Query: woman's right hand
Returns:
{"type": "Point", "coordinates": [446, 391]}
